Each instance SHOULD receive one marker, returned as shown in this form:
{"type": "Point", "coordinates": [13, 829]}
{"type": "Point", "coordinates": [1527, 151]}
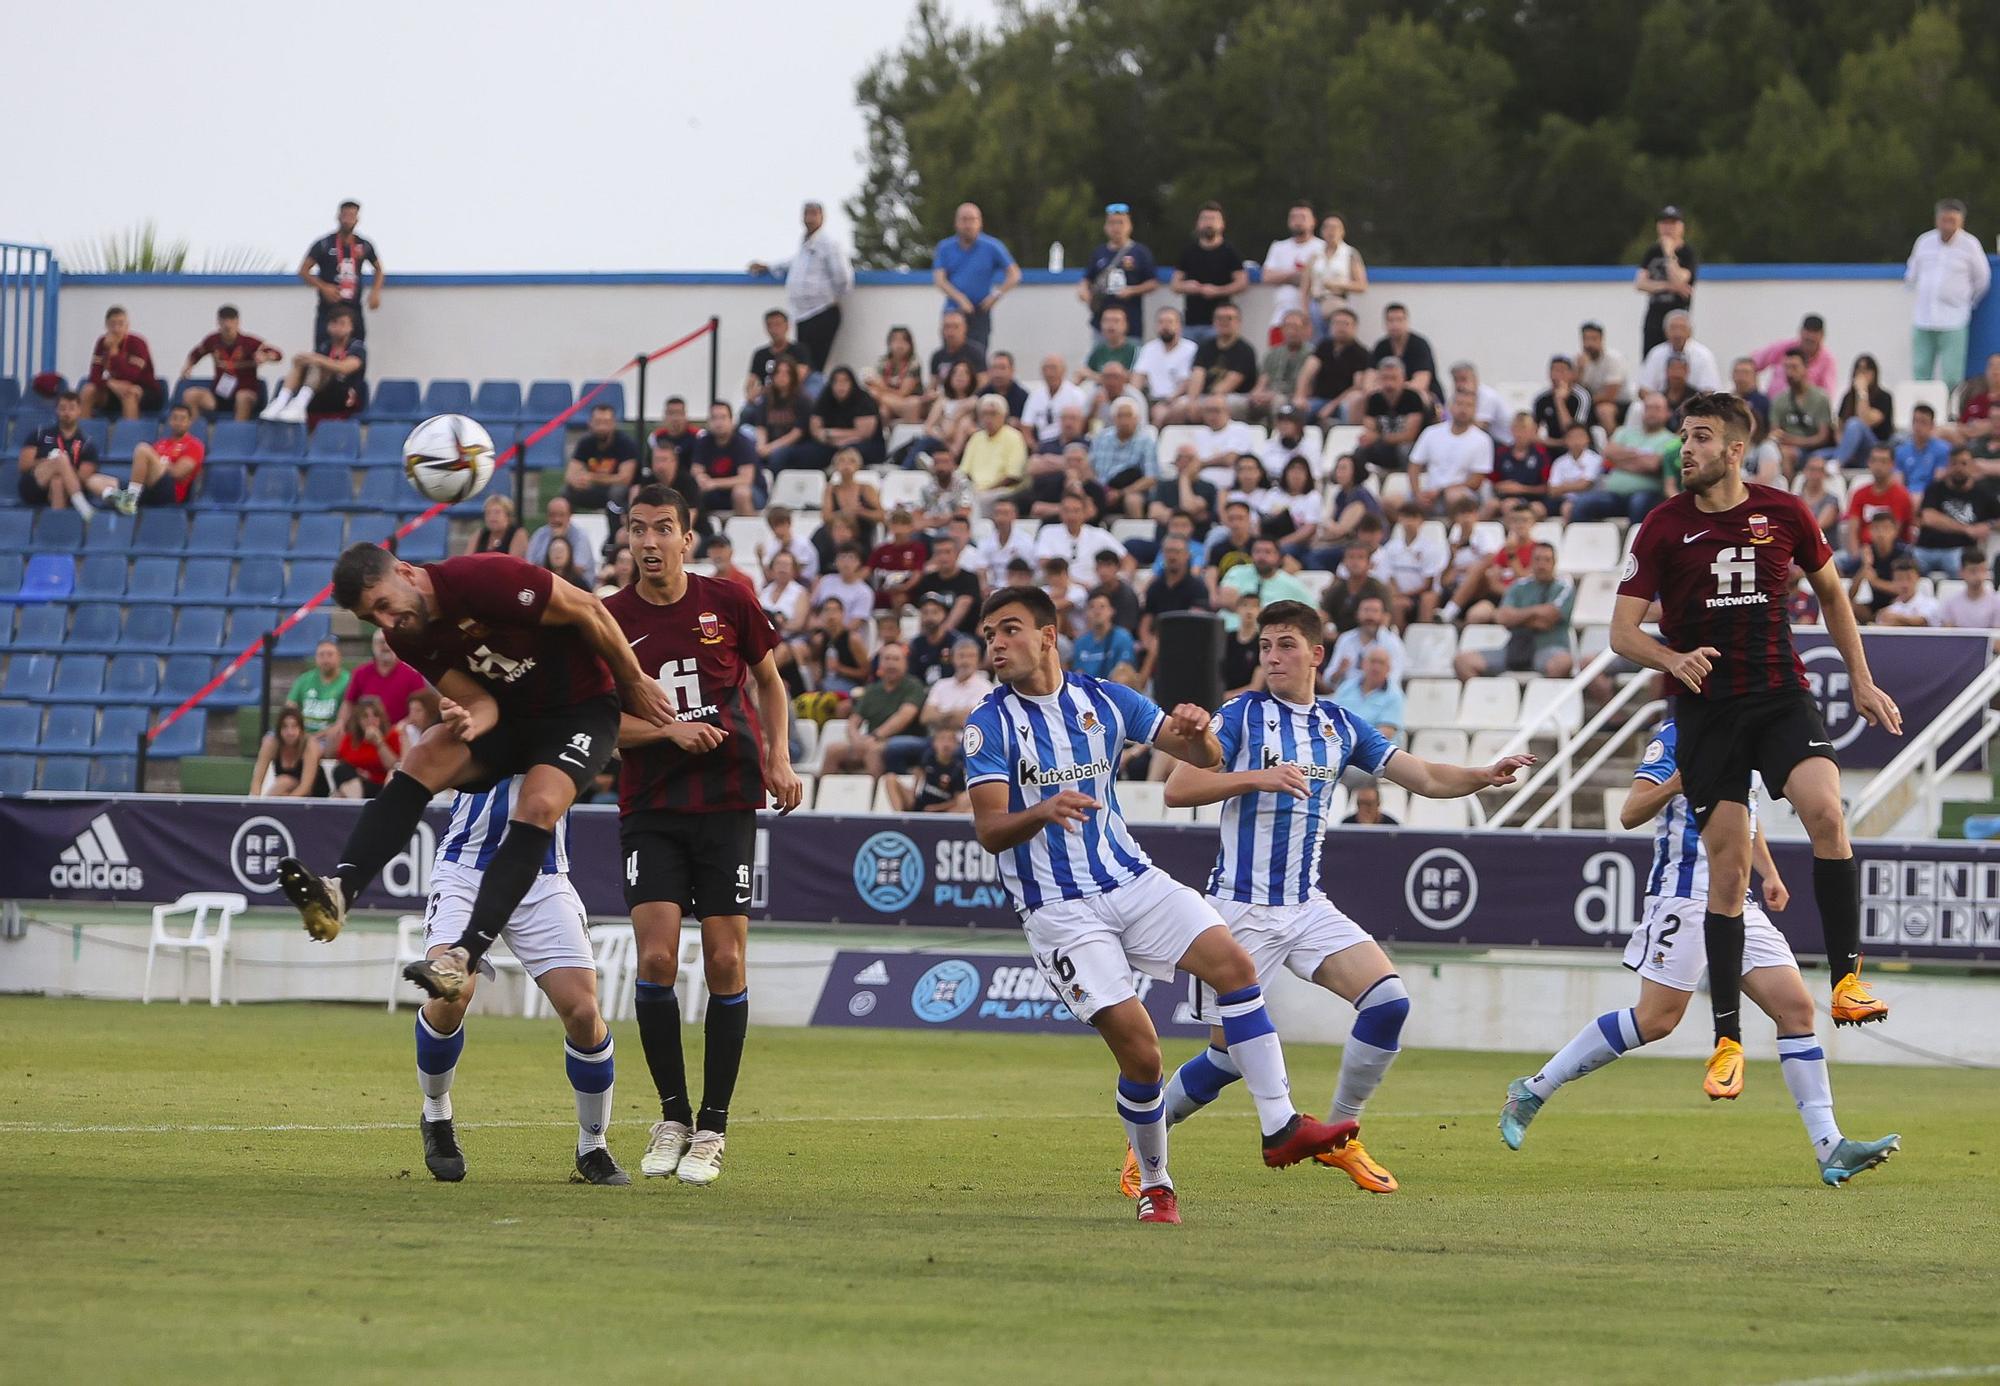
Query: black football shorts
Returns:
{"type": "Point", "coordinates": [579, 741]}
{"type": "Point", "coordinates": [1720, 742]}
{"type": "Point", "coordinates": [699, 861]}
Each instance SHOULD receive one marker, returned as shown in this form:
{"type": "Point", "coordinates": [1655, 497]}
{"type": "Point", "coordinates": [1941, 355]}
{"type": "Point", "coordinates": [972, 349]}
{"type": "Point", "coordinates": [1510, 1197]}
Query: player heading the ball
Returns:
{"type": "Point", "coordinates": [1041, 754]}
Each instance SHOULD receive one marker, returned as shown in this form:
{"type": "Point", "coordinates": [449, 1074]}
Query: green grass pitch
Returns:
{"type": "Point", "coordinates": [190, 1195]}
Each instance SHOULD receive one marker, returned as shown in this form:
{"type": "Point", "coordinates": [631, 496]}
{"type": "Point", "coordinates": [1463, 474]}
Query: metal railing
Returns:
{"type": "Point", "coordinates": [1916, 774]}
{"type": "Point", "coordinates": [1567, 746]}
{"type": "Point", "coordinates": [29, 279]}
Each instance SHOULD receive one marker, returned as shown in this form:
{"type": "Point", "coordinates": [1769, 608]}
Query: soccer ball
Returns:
{"type": "Point", "coordinates": [449, 458]}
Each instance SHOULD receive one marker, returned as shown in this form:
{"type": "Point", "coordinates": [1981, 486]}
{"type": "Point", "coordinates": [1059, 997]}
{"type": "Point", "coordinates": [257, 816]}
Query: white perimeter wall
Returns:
{"type": "Point", "coordinates": [582, 330]}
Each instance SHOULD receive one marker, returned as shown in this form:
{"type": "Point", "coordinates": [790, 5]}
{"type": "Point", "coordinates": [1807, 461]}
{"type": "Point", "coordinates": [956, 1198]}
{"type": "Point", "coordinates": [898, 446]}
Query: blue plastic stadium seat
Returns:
{"type": "Point", "coordinates": [384, 447]}
{"type": "Point", "coordinates": [15, 527]}
{"type": "Point", "coordinates": [197, 630]}
{"type": "Point", "coordinates": [280, 440]}
{"type": "Point", "coordinates": [447, 397]}
{"type": "Point", "coordinates": [233, 440]}
{"type": "Point", "coordinates": [304, 582]}
{"type": "Point", "coordinates": [49, 577]}
{"type": "Point", "coordinates": [301, 639]}
{"type": "Point", "coordinates": [184, 677]}
{"type": "Point", "coordinates": [320, 536]}
{"type": "Point", "coordinates": [213, 535]}
{"type": "Point", "coordinates": [327, 488]}
{"type": "Point", "coordinates": [102, 578]}
{"type": "Point", "coordinates": [65, 775]}
{"type": "Point", "coordinates": [242, 689]}
{"type": "Point", "coordinates": [186, 737]}
{"type": "Point", "coordinates": [42, 628]}
{"type": "Point", "coordinates": [205, 580]}
{"type": "Point", "coordinates": [247, 625]}
{"type": "Point", "coordinates": [131, 678]}
{"type": "Point", "coordinates": [223, 488]}
{"type": "Point", "coordinates": [382, 489]}
{"type": "Point", "coordinates": [78, 678]}
{"type": "Point", "coordinates": [112, 774]}
{"type": "Point", "coordinates": [613, 394]}
{"type": "Point", "coordinates": [59, 531]}
{"type": "Point", "coordinates": [20, 728]}
{"type": "Point", "coordinates": [69, 729]}
{"type": "Point", "coordinates": [394, 400]}
{"type": "Point", "coordinates": [162, 531]}
{"type": "Point", "coordinates": [11, 571]}
{"type": "Point", "coordinates": [111, 533]}
{"type": "Point", "coordinates": [154, 580]}
{"type": "Point", "coordinates": [258, 580]}
{"type": "Point", "coordinates": [370, 527]}
{"type": "Point", "coordinates": [425, 544]}
{"type": "Point", "coordinates": [335, 440]}
{"type": "Point", "coordinates": [17, 774]}
{"type": "Point", "coordinates": [118, 729]}
{"type": "Point", "coordinates": [10, 394]}
{"type": "Point", "coordinates": [148, 629]}
{"type": "Point", "coordinates": [28, 677]}
{"type": "Point", "coordinates": [498, 402]}
{"type": "Point", "coordinates": [267, 534]}
{"type": "Point", "coordinates": [99, 433]}
{"type": "Point", "coordinates": [127, 434]}
{"type": "Point", "coordinates": [546, 399]}
{"type": "Point", "coordinates": [503, 438]}
{"type": "Point", "coordinates": [546, 454]}
{"type": "Point", "coordinates": [275, 487]}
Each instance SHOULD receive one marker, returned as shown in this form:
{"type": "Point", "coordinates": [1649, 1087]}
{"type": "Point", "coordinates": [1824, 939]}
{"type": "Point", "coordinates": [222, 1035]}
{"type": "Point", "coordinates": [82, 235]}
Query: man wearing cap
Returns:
{"type": "Point", "coordinates": [1565, 402]}
{"type": "Point", "coordinates": [930, 647]}
{"type": "Point", "coordinates": [1288, 440]}
{"type": "Point", "coordinates": [1703, 372]}
{"type": "Point", "coordinates": [817, 277]}
{"type": "Point", "coordinates": [1602, 372]}
{"type": "Point", "coordinates": [1948, 274]}
{"type": "Point", "coordinates": [1666, 276]}
{"type": "Point", "coordinates": [1120, 271]}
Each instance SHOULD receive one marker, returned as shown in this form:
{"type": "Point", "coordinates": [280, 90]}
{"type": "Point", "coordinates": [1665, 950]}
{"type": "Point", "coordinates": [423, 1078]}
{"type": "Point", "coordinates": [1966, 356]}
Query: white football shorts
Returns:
{"type": "Point", "coordinates": [549, 929]}
{"type": "Point", "coordinates": [1297, 937]}
{"type": "Point", "coordinates": [1088, 949]}
{"type": "Point", "coordinates": [1669, 948]}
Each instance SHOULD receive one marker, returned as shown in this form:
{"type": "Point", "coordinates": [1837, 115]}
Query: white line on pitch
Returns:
{"type": "Point", "coordinates": [1892, 1376]}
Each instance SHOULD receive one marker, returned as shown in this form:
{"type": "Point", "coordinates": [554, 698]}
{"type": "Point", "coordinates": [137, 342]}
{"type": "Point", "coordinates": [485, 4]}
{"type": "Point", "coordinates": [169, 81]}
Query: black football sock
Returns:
{"type": "Point", "coordinates": [516, 862]}
{"type": "Point", "coordinates": [1723, 934]}
{"type": "Point", "coordinates": [659, 1014]}
{"type": "Point", "coordinates": [1837, 892]}
{"type": "Point", "coordinates": [384, 829]}
{"type": "Point", "coordinates": [722, 1056]}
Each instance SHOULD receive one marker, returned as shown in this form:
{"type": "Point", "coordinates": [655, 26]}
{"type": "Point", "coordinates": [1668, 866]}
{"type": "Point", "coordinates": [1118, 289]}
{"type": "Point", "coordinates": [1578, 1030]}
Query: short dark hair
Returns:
{"type": "Point", "coordinates": [1107, 556]}
{"type": "Point", "coordinates": [71, 395]}
{"type": "Point", "coordinates": [854, 549]}
{"type": "Point", "coordinates": [1812, 322]}
{"type": "Point", "coordinates": [672, 400]}
{"type": "Point", "coordinates": [770, 313]}
{"type": "Point", "coordinates": [724, 405]}
{"type": "Point", "coordinates": [1791, 352]}
{"type": "Point", "coordinates": [1909, 565]}
{"type": "Point", "coordinates": [1345, 311]}
{"type": "Point", "coordinates": [603, 406]}
{"type": "Point", "coordinates": [226, 311]}
{"type": "Point", "coordinates": [1972, 557]}
{"type": "Point", "coordinates": [1926, 411]}
{"type": "Point", "coordinates": [656, 493]}
{"type": "Point", "coordinates": [1544, 544]}
{"type": "Point", "coordinates": [341, 310]}
{"type": "Point", "coordinates": [1389, 308]}
{"type": "Point", "coordinates": [1041, 610]}
{"type": "Point", "coordinates": [1299, 202]}
{"type": "Point", "coordinates": [1295, 616]}
{"type": "Point", "coordinates": [180, 406]}
{"type": "Point", "coordinates": [1369, 523]}
{"type": "Point", "coordinates": [1738, 423]}
{"type": "Point", "coordinates": [1211, 206]}
{"type": "Point", "coordinates": [358, 569]}
{"type": "Point", "coordinates": [114, 311]}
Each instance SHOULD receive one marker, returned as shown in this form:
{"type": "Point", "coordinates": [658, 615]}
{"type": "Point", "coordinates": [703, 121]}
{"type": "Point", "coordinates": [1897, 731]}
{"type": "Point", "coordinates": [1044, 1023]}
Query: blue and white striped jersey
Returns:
{"type": "Point", "coordinates": [1042, 746]}
{"type": "Point", "coordinates": [1271, 842]}
{"type": "Point", "coordinates": [479, 820]}
{"type": "Point", "coordinates": [1680, 866]}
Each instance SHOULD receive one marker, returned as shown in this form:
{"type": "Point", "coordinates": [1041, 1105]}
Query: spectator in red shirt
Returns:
{"type": "Point", "coordinates": [164, 472]}
{"type": "Point", "coordinates": [237, 356]}
{"type": "Point", "coordinates": [1884, 490]}
{"type": "Point", "coordinates": [385, 677]}
{"type": "Point", "coordinates": [121, 372]}
{"type": "Point", "coordinates": [898, 562]}
{"type": "Point", "coordinates": [367, 753]}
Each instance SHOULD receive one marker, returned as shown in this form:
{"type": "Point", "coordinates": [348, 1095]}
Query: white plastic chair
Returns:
{"type": "Point", "coordinates": [208, 932]}
{"type": "Point", "coordinates": [1430, 703]}
{"type": "Point", "coordinates": [1448, 815]}
{"type": "Point", "coordinates": [1596, 597]}
{"type": "Point", "coordinates": [1341, 439]}
{"type": "Point", "coordinates": [1539, 694]}
{"type": "Point", "coordinates": [1445, 744]}
{"type": "Point", "coordinates": [1908, 394]}
{"type": "Point", "coordinates": [1430, 648]}
{"type": "Point", "coordinates": [1490, 702]}
{"type": "Point", "coordinates": [1486, 745]}
{"type": "Point", "coordinates": [798, 490]}
{"type": "Point", "coordinates": [845, 794]}
{"type": "Point", "coordinates": [748, 533]}
{"type": "Point", "coordinates": [903, 488]}
{"type": "Point", "coordinates": [1484, 636]}
{"type": "Point", "coordinates": [1589, 547]}
{"type": "Point", "coordinates": [1614, 805]}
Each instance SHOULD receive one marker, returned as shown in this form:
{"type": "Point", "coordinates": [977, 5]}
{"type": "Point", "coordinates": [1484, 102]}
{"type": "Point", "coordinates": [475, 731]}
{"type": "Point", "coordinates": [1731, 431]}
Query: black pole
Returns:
{"type": "Point", "coordinates": [714, 361]}
{"type": "Point", "coordinates": [521, 484]}
{"type": "Point", "coordinates": [139, 763]}
{"type": "Point", "coordinates": [639, 419]}
{"type": "Point", "coordinates": [270, 643]}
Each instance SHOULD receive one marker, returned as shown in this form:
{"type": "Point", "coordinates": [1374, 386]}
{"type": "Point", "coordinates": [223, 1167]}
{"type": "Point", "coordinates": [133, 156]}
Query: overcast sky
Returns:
{"type": "Point", "coordinates": [497, 135]}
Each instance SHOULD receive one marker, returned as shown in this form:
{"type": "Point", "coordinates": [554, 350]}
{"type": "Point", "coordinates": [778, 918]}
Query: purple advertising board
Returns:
{"type": "Point", "coordinates": [1922, 670]}
{"type": "Point", "coordinates": [1920, 900]}
{"type": "Point", "coordinates": [971, 991]}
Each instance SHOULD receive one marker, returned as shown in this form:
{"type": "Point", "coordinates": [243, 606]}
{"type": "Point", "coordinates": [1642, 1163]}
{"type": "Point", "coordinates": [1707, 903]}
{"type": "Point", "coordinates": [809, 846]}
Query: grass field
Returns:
{"type": "Point", "coordinates": [236, 1195]}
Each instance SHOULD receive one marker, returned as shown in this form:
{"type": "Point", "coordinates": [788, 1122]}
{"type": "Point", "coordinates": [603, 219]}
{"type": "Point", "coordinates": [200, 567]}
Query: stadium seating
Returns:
{"type": "Point", "coordinates": [546, 399]}
{"type": "Point", "coordinates": [447, 397]}
{"type": "Point", "coordinates": [49, 577]}
{"type": "Point", "coordinates": [497, 402]}
{"type": "Point", "coordinates": [394, 401]}
{"type": "Point", "coordinates": [845, 794]}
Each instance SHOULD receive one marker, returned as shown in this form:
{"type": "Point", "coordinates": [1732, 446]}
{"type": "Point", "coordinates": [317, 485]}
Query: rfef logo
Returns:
{"type": "Point", "coordinates": [254, 853]}
{"type": "Point", "coordinates": [1441, 888]}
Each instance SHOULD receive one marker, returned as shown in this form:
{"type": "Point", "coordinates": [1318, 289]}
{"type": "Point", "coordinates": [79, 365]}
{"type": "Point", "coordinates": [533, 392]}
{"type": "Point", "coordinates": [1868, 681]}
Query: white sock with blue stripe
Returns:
{"type": "Point", "coordinates": [1372, 1045]}
{"type": "Point", "coordinates": [437, 1065]}
{"type": "Point", "coordinates": [1595, 1045]}
{"type": "Point", "coordinates": [1141, 1108]}
{"type": "Point", "coordinates": [1199, 1082]}
{"type": "Point", "coordinates": [1803, 1063]}
{"type": "Point", "coordinates": [1253, 1039]}
{"type": "Point", "coordinates": [590, 1075]}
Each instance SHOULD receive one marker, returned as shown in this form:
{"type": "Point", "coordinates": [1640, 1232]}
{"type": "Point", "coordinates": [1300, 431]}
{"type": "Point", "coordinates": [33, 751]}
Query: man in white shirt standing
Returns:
{"type": "Point", "coordinates": [1165, 363]}
{"type": "Point", "coordinates": [1948, 273]}
{"type": "Point", "coordinates": [1703, 372]}
{"type": "Point", "coordinates": [1451, 459]}
{"type": "Point", "coordinates": [1285, 266]}
{"type": "Point", "coordinates": [817, 277]}
{"type": "Point", "coordinates": [1411, 562]}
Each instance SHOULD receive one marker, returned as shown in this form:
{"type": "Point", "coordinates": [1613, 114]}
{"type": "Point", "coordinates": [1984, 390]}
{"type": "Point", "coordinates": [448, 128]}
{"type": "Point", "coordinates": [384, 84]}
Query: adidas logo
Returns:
{"type": "Point", "coordinates": [96, 861]}
{"type": "Point", "coordinates": [876, 974]}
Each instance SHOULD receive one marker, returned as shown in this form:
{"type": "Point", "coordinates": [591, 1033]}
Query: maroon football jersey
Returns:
{"type": "Point", "coordinates": [1723, 578]}
{"type": "Point", "coordinates": [490, 607]}
{"type": "Point", "coordinates": [701, 648]}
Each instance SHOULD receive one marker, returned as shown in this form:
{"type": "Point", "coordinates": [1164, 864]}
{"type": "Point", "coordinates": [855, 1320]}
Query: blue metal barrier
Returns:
{"type": "Point", "coordinates": [29, 278]}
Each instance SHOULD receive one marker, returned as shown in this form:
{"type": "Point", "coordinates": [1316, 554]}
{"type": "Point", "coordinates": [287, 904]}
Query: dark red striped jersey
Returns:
{"type": "Point", "coordinates": [1722, 579]}
{"type": "Point", "coordinates": [701, 648]}
{"type": "Point", "coordinates": [490, 609]}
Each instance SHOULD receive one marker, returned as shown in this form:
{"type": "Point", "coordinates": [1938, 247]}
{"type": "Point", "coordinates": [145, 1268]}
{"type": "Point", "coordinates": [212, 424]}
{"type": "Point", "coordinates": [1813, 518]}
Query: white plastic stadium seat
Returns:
{"type": "Point", "coordinates": [1144, 801]}
{"type": "Point", "coordinates": [1908, 394]}
{"type": "Point", "coordinates": [881, 802]}
{"type": "Point", "coordinates": [904, 489]}
{"type": "Point", "coordinates": [808, 786]}
{"type": "Point", "coordinates": [1448, 815]}
{"type": "Point", "coordinates": [1431, 530]}
{"type": "Point", "coordinates": [1518, 395]}
{"type": "Point", "coordinates": [903, 434]}
{"type": "Point", "coordinates": [748, 533]}
{"type": "Point", "coordinates": [1490, 702]}
{"type": "Point", "coordinates": [798, 490]}
{"type": "Point", "coordinates": [1395, 801]}
{"type": "Point", "coordinates": [1489, 535]}
{"type": "Point", "coordinates": [1596, 595]}
{"type": "Point", "coordinates": [1396, 487]}
{"type": "Point", "coordinates": [832, 733]}
{"type": "Point", "coordinates": [1486, 746]}
{"type": "Point", "coordinates": [1315, 581]}
{"type": "Point", "coordinates": [1947, 588]}
{"type": "Point", "coordinates": [1125, 529]}
{"type": "Point", "coordinates": [1430, 703]}
{"type": "Point", "coordinates": [1212, 813]}
{"type": "Point", "coordinates": [1439, 743]}
{"type": "Point", "coordinates": [1614, 804]}
{"type": "Point", "coordinates": [1429, 648]}
{"type": "Point", "coordinates": [845, 794]}
{"type": "Point", "coordinates": [1565, 695]}
{"type": "Point", "coordinates": [1340, 440]}
{"type": "Point", "coordinates": [1172, 437]}
{"type": "Point", "coordinates": [207, 932]}
{"type": "Point", "coordinates": [1591, 641]}
{"type": "Point", "coordinates": [1483, 636]}
{"type": "Point", "coordinates": [1589, 547]}
{"type": "Point", "coordinates": [1548, 532]}
{"type": "Point", "coordinates": [592, 531]}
